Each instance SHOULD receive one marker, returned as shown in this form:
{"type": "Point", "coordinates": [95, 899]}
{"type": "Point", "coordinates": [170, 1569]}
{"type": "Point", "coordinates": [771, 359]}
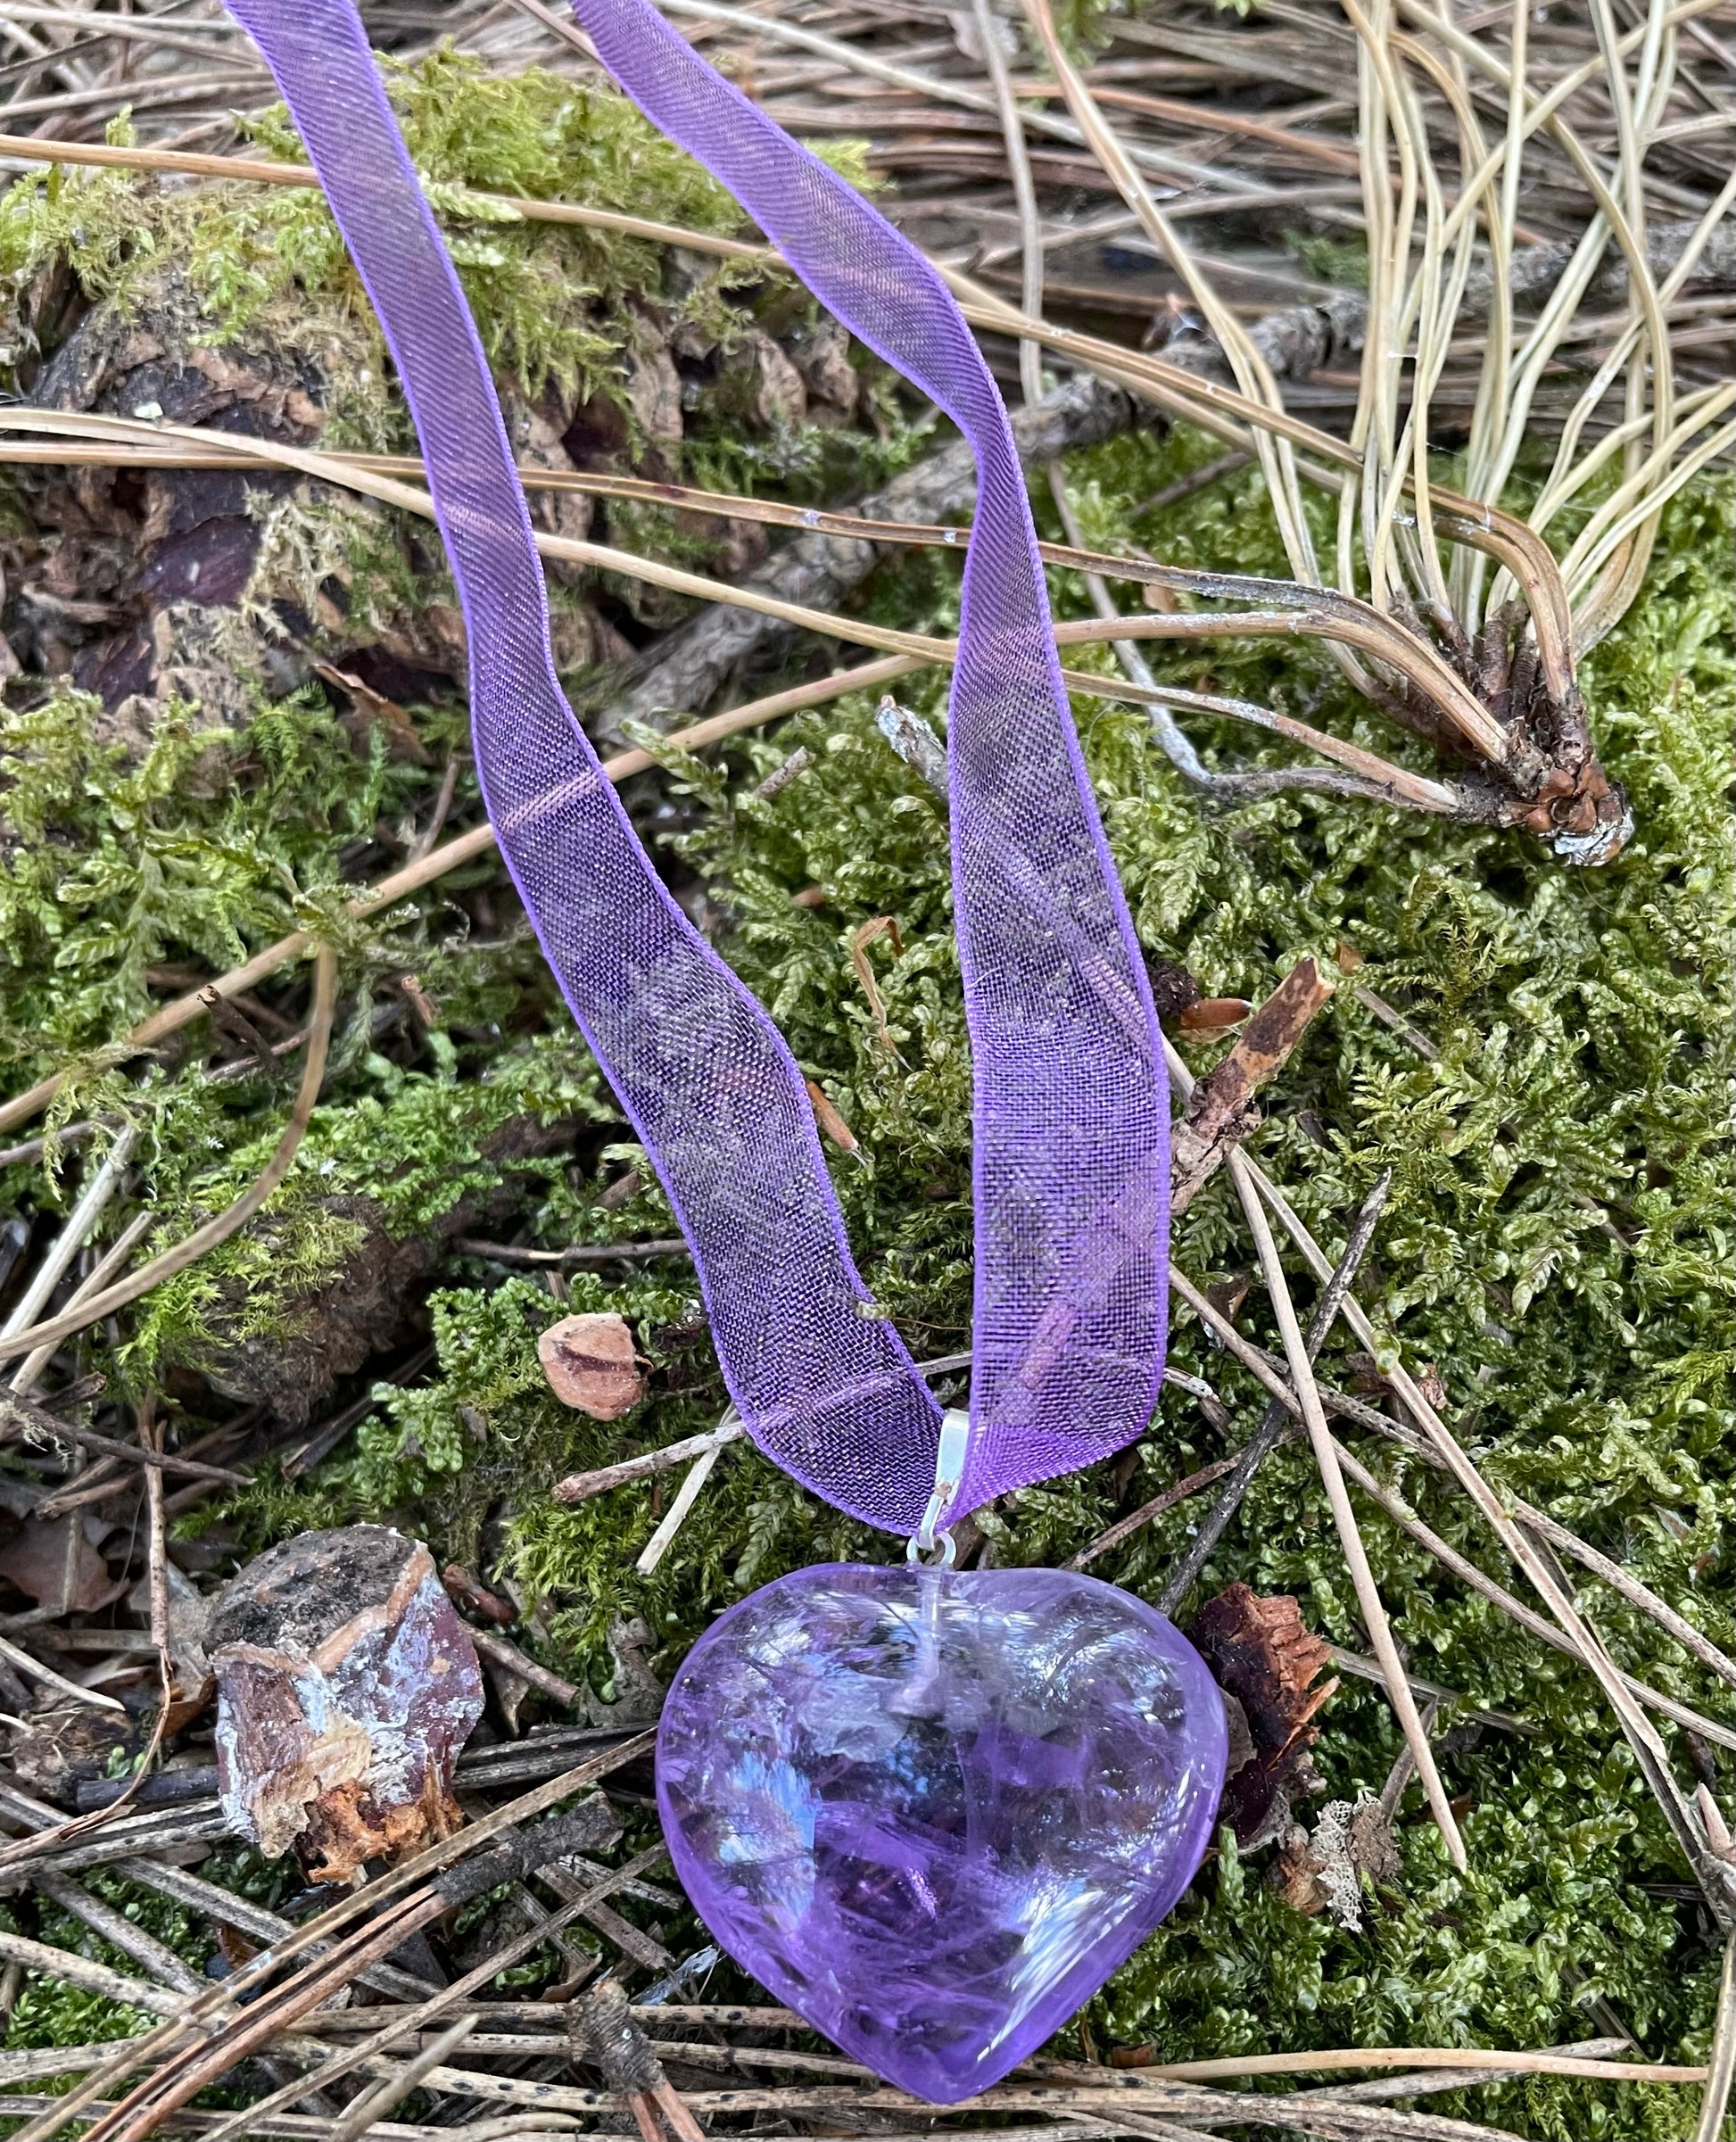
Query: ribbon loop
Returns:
{"type": "Point", "coordinates": [1070, 1162]}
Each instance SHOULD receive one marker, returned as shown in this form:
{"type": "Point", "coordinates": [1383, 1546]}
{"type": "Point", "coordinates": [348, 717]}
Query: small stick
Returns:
{"type": "Point", "coordinates": [150, 1436]}
{"type": "Point", "coordinates": [1265, 1437]}
{"type": "Point", "coordinates": [579, 1487]}
{"type": "Point", "coordinates": [16, 1655]}
{"type": "Point", "coordinates": [1142, 1516]}
{"type": "Point", "coordinates": [1220, 1110]}
{"type": "Point", "coordinates": [1404, 1766]}
{"type": "Point", "coordinates": [1424, 2084]}
{"type": "Point", "coordinates": [1624, 1581]}
{"type": "Point", "coordinates": [120, 1931]}
{"type": "Point", "coordinates": [1374, 1614]}
{"type": "Point", "coordinates": [1431, 1692]}
{"type": "Point", "coordinates": [686, 1496]}
{"type": "Point", "coordinates": [90, 1977]}
{"type": "Point", "coordinates": [1441, 2059]}
{"type": "Point", "coordinates": [507, 1655]}
{"type": "Point", "coordinates": [399, 2027]}
{"type": "Point", "coordinates": [604, 2026]}
{"type": "Point", "coordinates": [33, 1364]}
{"type": "Point", "coordinates": [582, 1253]}
{"type": "Point", "coordinates": [35, 1420]}
{"type": "Point", "coordinates": [70, 1239]}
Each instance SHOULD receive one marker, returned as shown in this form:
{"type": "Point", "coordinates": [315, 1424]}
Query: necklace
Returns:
{"type": "Point", "coordinates": [930, 1809]}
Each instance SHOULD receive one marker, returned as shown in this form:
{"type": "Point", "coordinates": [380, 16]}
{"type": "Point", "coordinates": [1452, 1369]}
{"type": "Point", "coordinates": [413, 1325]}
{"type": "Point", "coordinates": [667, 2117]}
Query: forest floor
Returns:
{"type": "Point", "coordinates": [234, 713]}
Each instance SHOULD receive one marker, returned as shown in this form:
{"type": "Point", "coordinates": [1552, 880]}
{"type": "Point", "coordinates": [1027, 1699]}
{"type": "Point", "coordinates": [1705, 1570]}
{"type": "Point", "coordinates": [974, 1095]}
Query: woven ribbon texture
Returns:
{"type": "Point", "coordinates": [1071, 1156]}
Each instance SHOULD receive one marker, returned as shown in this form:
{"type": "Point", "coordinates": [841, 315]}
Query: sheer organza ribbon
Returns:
{"type": "Point", "coordinates": [1071, 1159]}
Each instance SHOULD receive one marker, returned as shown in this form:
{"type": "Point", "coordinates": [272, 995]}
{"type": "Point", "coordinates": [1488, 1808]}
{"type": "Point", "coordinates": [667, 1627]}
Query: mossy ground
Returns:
{"type": "Point", "coordinates": [1557, 1243]}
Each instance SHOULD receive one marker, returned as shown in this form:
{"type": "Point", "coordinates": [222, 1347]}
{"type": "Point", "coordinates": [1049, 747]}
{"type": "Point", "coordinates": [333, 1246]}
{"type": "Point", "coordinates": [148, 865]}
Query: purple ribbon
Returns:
{"type": "Point", "coordinates": [1071, 1118]}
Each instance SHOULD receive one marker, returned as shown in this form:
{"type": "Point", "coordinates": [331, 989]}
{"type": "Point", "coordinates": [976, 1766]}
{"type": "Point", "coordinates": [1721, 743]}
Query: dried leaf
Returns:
{"type": "Point", "coordinates": [591, 1364]}
{"type": "Point", "coordinates": [827, 1118]}
{"type": "Point", "coordinates": [56, 1566]}
{"type": "Point", "coordinates": [1214, 1014]}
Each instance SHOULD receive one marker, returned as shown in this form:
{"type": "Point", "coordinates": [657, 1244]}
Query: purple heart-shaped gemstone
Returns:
{"type": "Point", "coordinates": [932, 1810]}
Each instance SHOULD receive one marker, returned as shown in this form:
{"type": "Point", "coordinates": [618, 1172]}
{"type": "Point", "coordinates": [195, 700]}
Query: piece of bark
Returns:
{"type": "Point", "coordinates": [593, 1365]}
{"type": "Point", "coordinates": [1263, 1656]}
{"type": "Point", "coordinates": [346, 1686]}
{"type": "Point", "coordinates": [140, 597]}
{"type": "Point", "coordinates": [1220, 1110]}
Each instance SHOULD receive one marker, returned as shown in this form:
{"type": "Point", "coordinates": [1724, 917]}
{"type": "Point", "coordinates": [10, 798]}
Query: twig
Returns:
{"type": "Point", "coordinates": [1422, 2085]}
{"type": "Point", "coordinates": [1441, 2059]}
{"type": "Point", "coordinates": [1198, 479]}
{"type": "Point", "coordinates": [31, 149]}
{"type": "Point", "coordinates": [1692, 1639]}
{"type": "Point", "coordinates": [431, 832]}
{"type": "Point", "coordinates": [507, 1655]}
{"type": "Point", "coordinates": [90, 1977]}
{"type": "Point", "coordinates": [120, 1932]}
{"type": "Point", "coordinates": [579, 1487]}
{"type": "Point", "coordinates": [1265, 1437]}
{"type": "Point", "coordinates": [374, 2104]}
{"type": "Point", "coordinates": [577, 1254]}
{"type": "Point", "coordinates": [1219, 1110]}
{"type": "Point", "coordinates": [70, 1239]}
{"type": "Point", "coordinates": [676, 1516]}
{"type": "Point", "coordinates": [1124, 1527]}
{"type": "Point", "coordinates": [20, 1417]}
{"type": "Point", "coordinates": [112, 1261]}
{"type": "Point", "coordinates": [22, 1660]}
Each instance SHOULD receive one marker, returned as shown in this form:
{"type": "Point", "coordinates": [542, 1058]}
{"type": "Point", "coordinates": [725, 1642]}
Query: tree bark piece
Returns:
{"type": "Point", "coordinates": [346, 1685]}
{"type": "Point", "coordinates": [1220, 1110]}
{"type": "Point", "coordinates": [1262, 1653]}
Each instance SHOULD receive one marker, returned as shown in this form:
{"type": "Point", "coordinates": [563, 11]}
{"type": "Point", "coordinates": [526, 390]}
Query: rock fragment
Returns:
{"type": "Point", "coordinates": [346, 1685]}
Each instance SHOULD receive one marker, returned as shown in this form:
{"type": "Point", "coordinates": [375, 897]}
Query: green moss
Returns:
{"type": "Point", "coordinates": [554, 302]}
{"type": "Point", "coordinates": [210, 847]}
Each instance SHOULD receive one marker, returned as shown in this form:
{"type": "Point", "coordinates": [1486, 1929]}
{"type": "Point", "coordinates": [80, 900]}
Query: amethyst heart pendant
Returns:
{"type": "Point", "coordinates": [932, 1810]}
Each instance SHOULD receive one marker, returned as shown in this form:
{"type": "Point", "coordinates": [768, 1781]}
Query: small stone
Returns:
{"type": "Point", "coordinates": [346, 1685]}
{"type": "Point", "coordinates": [592, 1365]}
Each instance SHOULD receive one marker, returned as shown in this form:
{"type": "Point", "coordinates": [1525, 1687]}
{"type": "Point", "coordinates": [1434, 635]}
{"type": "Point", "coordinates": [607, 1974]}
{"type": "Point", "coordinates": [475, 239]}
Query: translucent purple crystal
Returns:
{"type": "Point", "coordinates": [933, 1810]}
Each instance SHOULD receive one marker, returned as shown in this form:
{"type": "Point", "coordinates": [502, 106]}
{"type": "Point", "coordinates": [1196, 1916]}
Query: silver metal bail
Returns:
{"type": "Point", "coordinates": [948, 1475]}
